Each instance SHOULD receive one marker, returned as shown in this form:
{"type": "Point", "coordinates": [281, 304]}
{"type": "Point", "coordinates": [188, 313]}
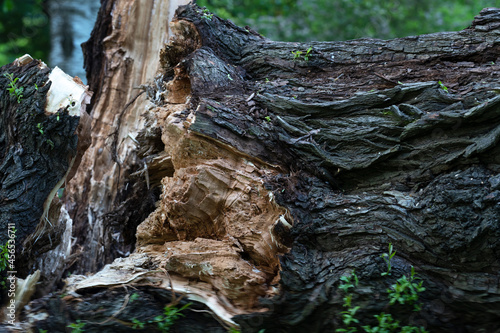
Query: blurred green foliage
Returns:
{"type": "Point", "coordinates": [24, 24]}
{"type": "Point", "coordinates": [328, 20]}
{"type": "Point", "coordinates": [24, 28]}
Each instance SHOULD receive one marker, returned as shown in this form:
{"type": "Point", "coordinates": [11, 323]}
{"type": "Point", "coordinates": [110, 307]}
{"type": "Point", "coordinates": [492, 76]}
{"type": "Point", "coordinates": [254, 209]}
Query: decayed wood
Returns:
{"type": "Point", "coordinates": [320, 162]}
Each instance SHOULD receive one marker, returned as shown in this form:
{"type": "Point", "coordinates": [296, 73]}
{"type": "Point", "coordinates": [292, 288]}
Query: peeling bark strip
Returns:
{"type": "Point", "coordinates": [43, 133]}
{"type": "Point", "coordinates": [121, 55]}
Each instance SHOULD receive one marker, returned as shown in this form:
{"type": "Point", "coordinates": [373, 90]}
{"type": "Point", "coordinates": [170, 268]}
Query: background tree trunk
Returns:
{"type": "Point", "coordinates": [280, 168]}
{"type": "Point", "coordinates": [70, 25]}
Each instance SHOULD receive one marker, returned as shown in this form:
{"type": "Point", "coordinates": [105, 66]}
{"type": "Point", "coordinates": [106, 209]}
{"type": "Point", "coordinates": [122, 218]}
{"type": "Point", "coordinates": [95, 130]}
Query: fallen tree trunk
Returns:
{"type": "Point", "coordinates": [285, 166]}
{"type": "Point", "coordinates": [378, 142]}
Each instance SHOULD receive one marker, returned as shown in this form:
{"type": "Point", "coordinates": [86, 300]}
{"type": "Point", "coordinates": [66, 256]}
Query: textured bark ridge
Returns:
{"type": "Point", "coordinates": [43, 133]}
{"type": "Point", "coordinates": [282, 167]}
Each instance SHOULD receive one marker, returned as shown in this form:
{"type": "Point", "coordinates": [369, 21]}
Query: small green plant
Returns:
{"type": "Point", "coordinates": [267, 118]}
{"type": "Point", "coordinates": [36, 87]}
{"type": "Point", "coordinates": [40, 330]}
{"type": "Point", "coordinates": [296, 54]}
{"type": "Point", "coordinates": [40, 128]}
{"type": "Point", "coordinates": [50, 143]}
{"type": "Point", "coordinates": [349, 282]}
{"type": "Point", "coordinates": [77, 327]}
{"type": "Point", "coordinates": [13, 89]}
{"type": "Point", "coordinates": [304, 54]}
{"type": "Point", "coordinates": [137, 324]}
{"type": "Point", "coordinates": [133, 297]}
{"type": "Point", "coordinates": [4, 257]}
{"type": "Point", "coordinates": [385, 324]}
{"type": "Point", "coordinates": [348, 316]}
{"type": "Point", "coordinates": [267, 80]}
{"type": "Point", "coordinates": [387, 258]}
{"type": "Point", "coordinates": [205, 13]}
{"type": "Point", "coordinates": [443, 86]}
{"type": "Point", "coordinates": [229, 77]}
{"type": "Point", "coordinates": [165, 321]}
{"type": "Point", "coordinates": [169, 317]}
{"type": "Point", "coordinates": [4, 262]}
{"type": "Point", "coordinates": [308, 51]}
{"type": "Point", "coordinates": [406, 290]}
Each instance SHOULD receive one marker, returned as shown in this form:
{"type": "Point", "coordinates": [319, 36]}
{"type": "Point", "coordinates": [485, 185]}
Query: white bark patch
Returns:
{"type": "Point", "coordinates": [66, 91]}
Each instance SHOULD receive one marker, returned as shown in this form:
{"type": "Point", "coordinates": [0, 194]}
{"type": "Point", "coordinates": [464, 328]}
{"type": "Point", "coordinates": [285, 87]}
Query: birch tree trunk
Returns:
{"type": "Point", "coordinates": [70, 25]}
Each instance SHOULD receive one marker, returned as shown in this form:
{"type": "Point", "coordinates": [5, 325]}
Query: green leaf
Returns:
{"type": "Point", "coordinates": [442, 86]}
{"type": "Point", "coordinates": [345, 279]}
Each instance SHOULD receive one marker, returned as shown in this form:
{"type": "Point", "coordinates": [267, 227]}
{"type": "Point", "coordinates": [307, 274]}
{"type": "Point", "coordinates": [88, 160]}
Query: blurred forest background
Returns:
{"type": "Point", "coordinates": [329, 20]}
{"type": "Point", "coordinates": [37, 27]}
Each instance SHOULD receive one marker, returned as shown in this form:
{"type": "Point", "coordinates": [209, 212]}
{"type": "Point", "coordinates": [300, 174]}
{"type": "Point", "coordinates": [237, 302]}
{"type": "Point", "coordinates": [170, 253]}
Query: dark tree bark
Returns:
{"type": "Point", "coordinates": [376, 150]}
{"type": "Point", "coordinates": [285, 166]}
{"type": "Point", "coordinates": [41, 143]}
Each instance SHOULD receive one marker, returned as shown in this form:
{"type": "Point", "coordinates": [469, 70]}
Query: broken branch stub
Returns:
{"type": "Point", "coordinates": [44, 131]}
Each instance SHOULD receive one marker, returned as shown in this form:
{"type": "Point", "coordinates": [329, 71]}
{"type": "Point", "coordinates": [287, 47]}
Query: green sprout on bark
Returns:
{"type": "Point", "coordinates": [404, 291]}
{"type": "Point", "coordinates": [77, 327]}
{"type": "Point", "coordinates": [387, 258]}
{"type": "Point", "coordinates": [443, 86]}
{"type": "Point", "coordinates": [205, 13]}
{"type": "Point", "coordinates": [40, 128]}
{"type": "Point", "coordinates": [164, 322]}
{"type": "Point", "coordinates": [12, 88]}
{"type": "Point", "coordinates": [304, 54]}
